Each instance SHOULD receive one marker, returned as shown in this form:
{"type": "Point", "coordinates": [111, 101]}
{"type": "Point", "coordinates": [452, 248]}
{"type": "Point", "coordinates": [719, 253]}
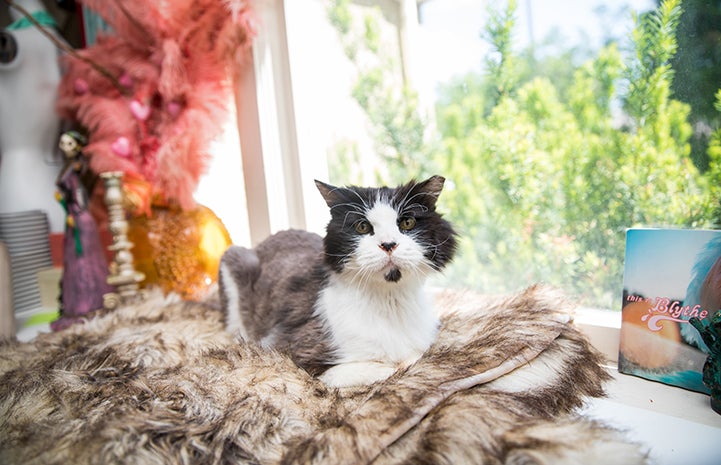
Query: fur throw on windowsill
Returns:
{"type": "Point", "coordinates": [162, 382]}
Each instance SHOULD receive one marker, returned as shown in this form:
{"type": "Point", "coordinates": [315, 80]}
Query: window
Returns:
{"type": "Point", "coordinates": [555, 132]}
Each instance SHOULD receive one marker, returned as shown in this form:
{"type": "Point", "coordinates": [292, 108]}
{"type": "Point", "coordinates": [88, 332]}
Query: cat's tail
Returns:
{"type": "Point", "coordinates": [239, 269]}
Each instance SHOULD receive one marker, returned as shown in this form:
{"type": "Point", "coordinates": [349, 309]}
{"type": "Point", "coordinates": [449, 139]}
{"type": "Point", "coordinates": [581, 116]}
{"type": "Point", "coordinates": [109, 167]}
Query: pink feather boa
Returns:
{"type": "Point", "coordinates": [171, 66]}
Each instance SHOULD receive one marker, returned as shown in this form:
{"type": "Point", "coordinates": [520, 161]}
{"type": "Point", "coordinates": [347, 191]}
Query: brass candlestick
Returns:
{"type": "Point", "coordinates": [122, 272]}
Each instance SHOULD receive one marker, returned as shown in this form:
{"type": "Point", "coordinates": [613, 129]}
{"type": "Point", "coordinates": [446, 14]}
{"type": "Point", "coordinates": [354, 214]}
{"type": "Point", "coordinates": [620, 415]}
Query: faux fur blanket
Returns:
{"type": "Point", "coordinates": [162, 382]}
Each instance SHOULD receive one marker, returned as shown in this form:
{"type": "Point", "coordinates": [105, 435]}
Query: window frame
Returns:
{"type": "Point", "coordinates": [266, 124]}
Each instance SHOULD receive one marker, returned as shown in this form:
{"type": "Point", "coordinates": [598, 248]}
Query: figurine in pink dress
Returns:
{"type": "Point", "coordinates": [85, 269]}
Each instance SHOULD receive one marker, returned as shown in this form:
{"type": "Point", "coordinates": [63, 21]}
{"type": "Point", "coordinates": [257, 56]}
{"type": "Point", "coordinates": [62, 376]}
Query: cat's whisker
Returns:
{"type": "Point", "coordinates": [351, 206]}
{"type": "Point", "coordinates": [356, 194]}
{"type": "Point", "coordinates": [441, 243]}
{"type": "Point", "coordinates": [365, 280]}
{"type": "Point", "coordinates": [340, 255]}
{"type": "Point", "coordinates": [406, 199]}
{"type": "Point", "coordinates": [361, 278]}
{"type": "Point", "coordinates": [345, 219]}
{"type": "Point", "coordinates": [413, 208]}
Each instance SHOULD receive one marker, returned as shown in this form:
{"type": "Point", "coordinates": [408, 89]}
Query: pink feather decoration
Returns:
{"type": "Point", "coordinates": [171, 66]}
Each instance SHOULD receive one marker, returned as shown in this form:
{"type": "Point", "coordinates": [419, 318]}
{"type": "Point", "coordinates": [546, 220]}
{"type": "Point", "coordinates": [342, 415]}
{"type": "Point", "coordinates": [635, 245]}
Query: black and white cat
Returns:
{"type": "Point", "coordinates": [350, 308]}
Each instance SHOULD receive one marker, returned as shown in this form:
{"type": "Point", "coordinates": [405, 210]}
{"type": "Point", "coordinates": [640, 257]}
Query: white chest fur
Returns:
{"type": "Point", "coordinates": [390, 323]}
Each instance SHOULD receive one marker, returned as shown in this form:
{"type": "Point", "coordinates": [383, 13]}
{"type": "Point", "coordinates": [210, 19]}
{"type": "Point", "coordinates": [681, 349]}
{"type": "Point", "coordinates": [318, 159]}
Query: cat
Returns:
{"type": "Point", "coordinates": [350, 308]}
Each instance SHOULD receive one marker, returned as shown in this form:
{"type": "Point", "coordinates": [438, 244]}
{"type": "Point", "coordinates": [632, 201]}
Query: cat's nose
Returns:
{"type": "Point", "coordinates": [388, 246]}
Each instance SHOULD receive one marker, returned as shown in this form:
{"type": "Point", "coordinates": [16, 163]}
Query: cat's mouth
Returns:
{"type": "Point", "coordinates": [393, 275]}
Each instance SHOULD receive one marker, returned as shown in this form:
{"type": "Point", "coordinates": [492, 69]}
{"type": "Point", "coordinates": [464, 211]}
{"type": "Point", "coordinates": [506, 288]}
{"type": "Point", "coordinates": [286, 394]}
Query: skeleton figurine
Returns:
{"type": "Point", "coordinates": [85, 268]}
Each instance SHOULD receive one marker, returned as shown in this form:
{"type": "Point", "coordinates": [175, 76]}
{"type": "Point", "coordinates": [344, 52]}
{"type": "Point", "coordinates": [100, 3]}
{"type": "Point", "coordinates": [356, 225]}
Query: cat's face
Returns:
{"type": "Point", "coordinates": [386, 233]}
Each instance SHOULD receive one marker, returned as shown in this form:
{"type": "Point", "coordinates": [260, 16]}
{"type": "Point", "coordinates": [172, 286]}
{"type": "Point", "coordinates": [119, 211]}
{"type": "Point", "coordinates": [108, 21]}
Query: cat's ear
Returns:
{"type": "Point", "coordinates": [432, 188]}
{"type": "Point", "coordinates": [330, 193]}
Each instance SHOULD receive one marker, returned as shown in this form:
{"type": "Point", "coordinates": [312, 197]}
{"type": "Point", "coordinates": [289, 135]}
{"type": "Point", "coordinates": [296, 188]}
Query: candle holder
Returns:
{"type": "Point", "coordinates": [123, 275]}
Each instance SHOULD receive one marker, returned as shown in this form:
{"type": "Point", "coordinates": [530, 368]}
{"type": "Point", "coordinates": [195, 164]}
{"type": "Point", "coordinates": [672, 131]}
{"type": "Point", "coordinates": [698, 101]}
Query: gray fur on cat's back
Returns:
{"type": "Point", "coordinates": [278, 283]}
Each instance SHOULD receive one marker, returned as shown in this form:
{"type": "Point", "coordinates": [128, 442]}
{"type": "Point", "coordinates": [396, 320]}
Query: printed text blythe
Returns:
{"type": "Point", "coordinates": [668, 309]}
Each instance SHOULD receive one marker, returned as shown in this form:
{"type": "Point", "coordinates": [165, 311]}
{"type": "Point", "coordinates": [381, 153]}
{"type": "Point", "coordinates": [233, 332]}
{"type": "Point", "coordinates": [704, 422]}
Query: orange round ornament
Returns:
{"type": "Point", "coordinates": [179, 250]}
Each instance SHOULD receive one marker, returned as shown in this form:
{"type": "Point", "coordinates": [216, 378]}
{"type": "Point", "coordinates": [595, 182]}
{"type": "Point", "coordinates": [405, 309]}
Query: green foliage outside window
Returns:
{"type": "Point", "coordinates": [698, 71]}
{"type": "Point", "coordinates": [543, 181]}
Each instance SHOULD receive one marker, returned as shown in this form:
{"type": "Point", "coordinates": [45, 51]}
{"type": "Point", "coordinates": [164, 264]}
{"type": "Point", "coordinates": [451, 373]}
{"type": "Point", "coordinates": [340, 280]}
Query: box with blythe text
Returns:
{"type": "Point", "coordinates": [670, 275]}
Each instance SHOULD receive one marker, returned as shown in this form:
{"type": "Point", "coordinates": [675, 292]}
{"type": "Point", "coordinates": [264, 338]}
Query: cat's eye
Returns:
{"type": "Point", "coordinates": [363, 227]}
{"type": "Point", "coordinates": [407, 223]}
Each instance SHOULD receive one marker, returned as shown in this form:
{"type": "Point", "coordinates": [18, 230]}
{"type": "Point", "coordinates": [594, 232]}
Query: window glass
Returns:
{"type": "Point", "coordinates": [558, 125]}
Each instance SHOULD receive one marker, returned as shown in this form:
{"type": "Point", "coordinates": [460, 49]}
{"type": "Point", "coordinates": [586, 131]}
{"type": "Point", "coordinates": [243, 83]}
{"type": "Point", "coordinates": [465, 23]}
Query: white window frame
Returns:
{"type": "Point", "coordinates": [266, 124]}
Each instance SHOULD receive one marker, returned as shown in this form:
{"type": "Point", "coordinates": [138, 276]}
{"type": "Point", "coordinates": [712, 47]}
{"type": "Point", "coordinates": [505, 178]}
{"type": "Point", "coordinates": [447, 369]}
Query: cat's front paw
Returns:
{"type": "Point", "coordinates": [357, 374]}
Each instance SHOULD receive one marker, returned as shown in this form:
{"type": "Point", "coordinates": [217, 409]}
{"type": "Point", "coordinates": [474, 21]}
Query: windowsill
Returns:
{"type": "Point", "coordinates": [662, 399]}
{"type": "Point", "coordinates": [675, 425]}
{"type": "Point", "coordinates": [602, 327]}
